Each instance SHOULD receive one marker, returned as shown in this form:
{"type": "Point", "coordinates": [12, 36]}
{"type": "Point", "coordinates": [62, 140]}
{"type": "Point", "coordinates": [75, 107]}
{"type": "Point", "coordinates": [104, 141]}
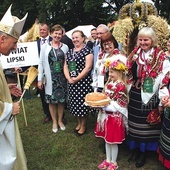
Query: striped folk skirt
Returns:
{"type": "Point", "coordinates": [164, 144]}
{"type": "Point", "coordinates": [141, 134]}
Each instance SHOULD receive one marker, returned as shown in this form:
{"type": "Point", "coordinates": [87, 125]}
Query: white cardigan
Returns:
{"type": "Point", "coordinates": [44, 68]}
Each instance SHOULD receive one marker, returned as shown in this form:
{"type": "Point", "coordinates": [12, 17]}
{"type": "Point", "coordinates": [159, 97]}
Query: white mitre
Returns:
{"type": "Point", "coordinates": [12, 25]}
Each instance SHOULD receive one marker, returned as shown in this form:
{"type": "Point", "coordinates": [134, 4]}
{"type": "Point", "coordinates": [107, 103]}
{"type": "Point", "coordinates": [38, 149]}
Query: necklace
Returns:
{"type": "Point", "coordinates": [76, 49]}
{"type": "Point", "coordinates": [75, 54]}
{"type": "Point", "coordinates": [56, 45]}
{"type": "Point", "coordinates": [152, 68]}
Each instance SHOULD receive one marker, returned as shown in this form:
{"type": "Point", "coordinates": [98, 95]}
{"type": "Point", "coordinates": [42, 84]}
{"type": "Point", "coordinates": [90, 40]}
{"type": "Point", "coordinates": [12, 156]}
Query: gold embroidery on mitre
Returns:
{"type": "Point", "coordinates": [4, 28]}
{"type": "Point", "coordinates": [9, 30]}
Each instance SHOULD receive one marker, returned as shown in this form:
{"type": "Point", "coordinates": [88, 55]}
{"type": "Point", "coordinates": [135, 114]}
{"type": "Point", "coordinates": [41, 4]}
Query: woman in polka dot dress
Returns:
{"type": "Point", "coordinates": [78, 66]}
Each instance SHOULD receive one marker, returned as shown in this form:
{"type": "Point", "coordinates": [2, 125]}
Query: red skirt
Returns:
{"type": "Point", "coordinates": [113, 130]}
{"type": "Point", "coordinates": [164, 161]}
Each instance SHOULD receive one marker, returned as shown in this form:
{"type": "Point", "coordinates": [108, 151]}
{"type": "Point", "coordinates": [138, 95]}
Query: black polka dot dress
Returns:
{"type": "Point", "coordinates": [78, 91]}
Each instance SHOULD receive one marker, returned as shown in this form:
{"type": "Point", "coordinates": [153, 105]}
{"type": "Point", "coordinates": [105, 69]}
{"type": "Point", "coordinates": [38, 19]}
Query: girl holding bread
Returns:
{"type": "Point", "coordinates": [112, 119]}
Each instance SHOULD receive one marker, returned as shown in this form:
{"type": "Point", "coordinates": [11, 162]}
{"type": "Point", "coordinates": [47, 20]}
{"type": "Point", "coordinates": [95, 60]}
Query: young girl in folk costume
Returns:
{"type": "Point", "coordinates": [112, 119]}
{"type": "Point", "coordinates": [146, 66]}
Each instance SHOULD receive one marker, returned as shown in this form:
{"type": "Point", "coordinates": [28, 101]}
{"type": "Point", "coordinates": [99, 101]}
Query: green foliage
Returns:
{"type": "Point", "coordinates": [90, 5]}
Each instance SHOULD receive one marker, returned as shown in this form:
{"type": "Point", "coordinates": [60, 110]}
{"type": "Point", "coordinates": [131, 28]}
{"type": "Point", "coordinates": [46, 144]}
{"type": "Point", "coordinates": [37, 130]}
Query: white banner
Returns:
{"type": "Point", "coordinates": [26, 54]}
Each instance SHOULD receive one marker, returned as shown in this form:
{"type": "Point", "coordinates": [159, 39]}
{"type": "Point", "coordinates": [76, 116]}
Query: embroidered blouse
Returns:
{"type": "Point", "coordinates": [100, 69]}
{"type": "Point", "coordinates": [153, 64]}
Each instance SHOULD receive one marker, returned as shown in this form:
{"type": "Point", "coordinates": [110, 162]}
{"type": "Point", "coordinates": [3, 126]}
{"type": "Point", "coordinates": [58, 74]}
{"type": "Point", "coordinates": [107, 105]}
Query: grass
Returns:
{"type": "Point", "coordinates": [46, 150]}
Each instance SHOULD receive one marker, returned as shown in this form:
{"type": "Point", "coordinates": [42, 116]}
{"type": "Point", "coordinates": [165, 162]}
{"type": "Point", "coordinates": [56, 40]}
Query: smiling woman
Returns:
{"type": "Point", "coordinates": [78, 66]}
{"type": "Point", "coordinates": [147, 66]}
{"type": "Point", "coordinates": [52, 63]}
{"type": "Point", "coordinates": [109, 44]}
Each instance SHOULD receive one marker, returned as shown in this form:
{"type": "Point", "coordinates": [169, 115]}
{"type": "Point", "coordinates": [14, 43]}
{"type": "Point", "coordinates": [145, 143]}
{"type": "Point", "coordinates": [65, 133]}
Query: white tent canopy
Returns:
{"type": "Point", "coordinates": [85, 28]}
{"type": "Point", "coordinates": [23, 37]}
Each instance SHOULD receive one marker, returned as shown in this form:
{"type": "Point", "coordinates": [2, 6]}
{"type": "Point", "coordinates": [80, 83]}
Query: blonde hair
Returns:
{"type": "Point", "coordinates": [149, 32]}
{"type": "Point", "coordinates": [123, 79]}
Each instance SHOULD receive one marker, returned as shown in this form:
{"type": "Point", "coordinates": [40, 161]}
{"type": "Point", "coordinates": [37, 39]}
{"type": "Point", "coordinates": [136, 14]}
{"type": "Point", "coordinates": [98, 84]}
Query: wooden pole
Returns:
{"type": "Point", "coordinates": [22, 101]}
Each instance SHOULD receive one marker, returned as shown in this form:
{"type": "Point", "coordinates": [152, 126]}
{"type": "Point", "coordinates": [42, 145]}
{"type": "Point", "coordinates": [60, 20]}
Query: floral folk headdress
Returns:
{"type": "Point", "coordinates": [117, 65]}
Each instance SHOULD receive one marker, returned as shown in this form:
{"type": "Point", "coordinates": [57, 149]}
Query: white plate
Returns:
{"type": "Point", "coordinates": [94, 106]}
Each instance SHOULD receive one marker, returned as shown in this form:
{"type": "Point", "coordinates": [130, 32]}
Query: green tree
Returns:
{"type": "Point", "coordinates": [163, 7]}
{"type": "Point", "coordinates": [75, 12]}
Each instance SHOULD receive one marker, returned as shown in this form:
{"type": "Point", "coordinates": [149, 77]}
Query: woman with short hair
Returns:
{"type": "Point", "coordinates": [77, 71]}
{"type": "Point", "coordinates": [51, 66]}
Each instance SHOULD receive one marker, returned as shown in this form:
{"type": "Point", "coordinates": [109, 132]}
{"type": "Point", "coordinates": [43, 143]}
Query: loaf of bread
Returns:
{"type": "Point", "coordinates": [96, 99]}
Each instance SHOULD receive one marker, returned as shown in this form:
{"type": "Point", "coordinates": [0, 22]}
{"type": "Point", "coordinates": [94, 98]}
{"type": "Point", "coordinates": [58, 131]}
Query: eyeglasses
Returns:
{"type": "Point", "coordinates": [101, 33]}
{"type": "Point", "coordinates": [110, 44]}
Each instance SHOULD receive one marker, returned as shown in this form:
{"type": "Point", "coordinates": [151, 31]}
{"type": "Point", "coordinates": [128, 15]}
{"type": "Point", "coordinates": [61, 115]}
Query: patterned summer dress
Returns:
{"type": "Point", "coordinates": [78, 91]}
{"type": "Point", "coordinates": [56, 60]}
